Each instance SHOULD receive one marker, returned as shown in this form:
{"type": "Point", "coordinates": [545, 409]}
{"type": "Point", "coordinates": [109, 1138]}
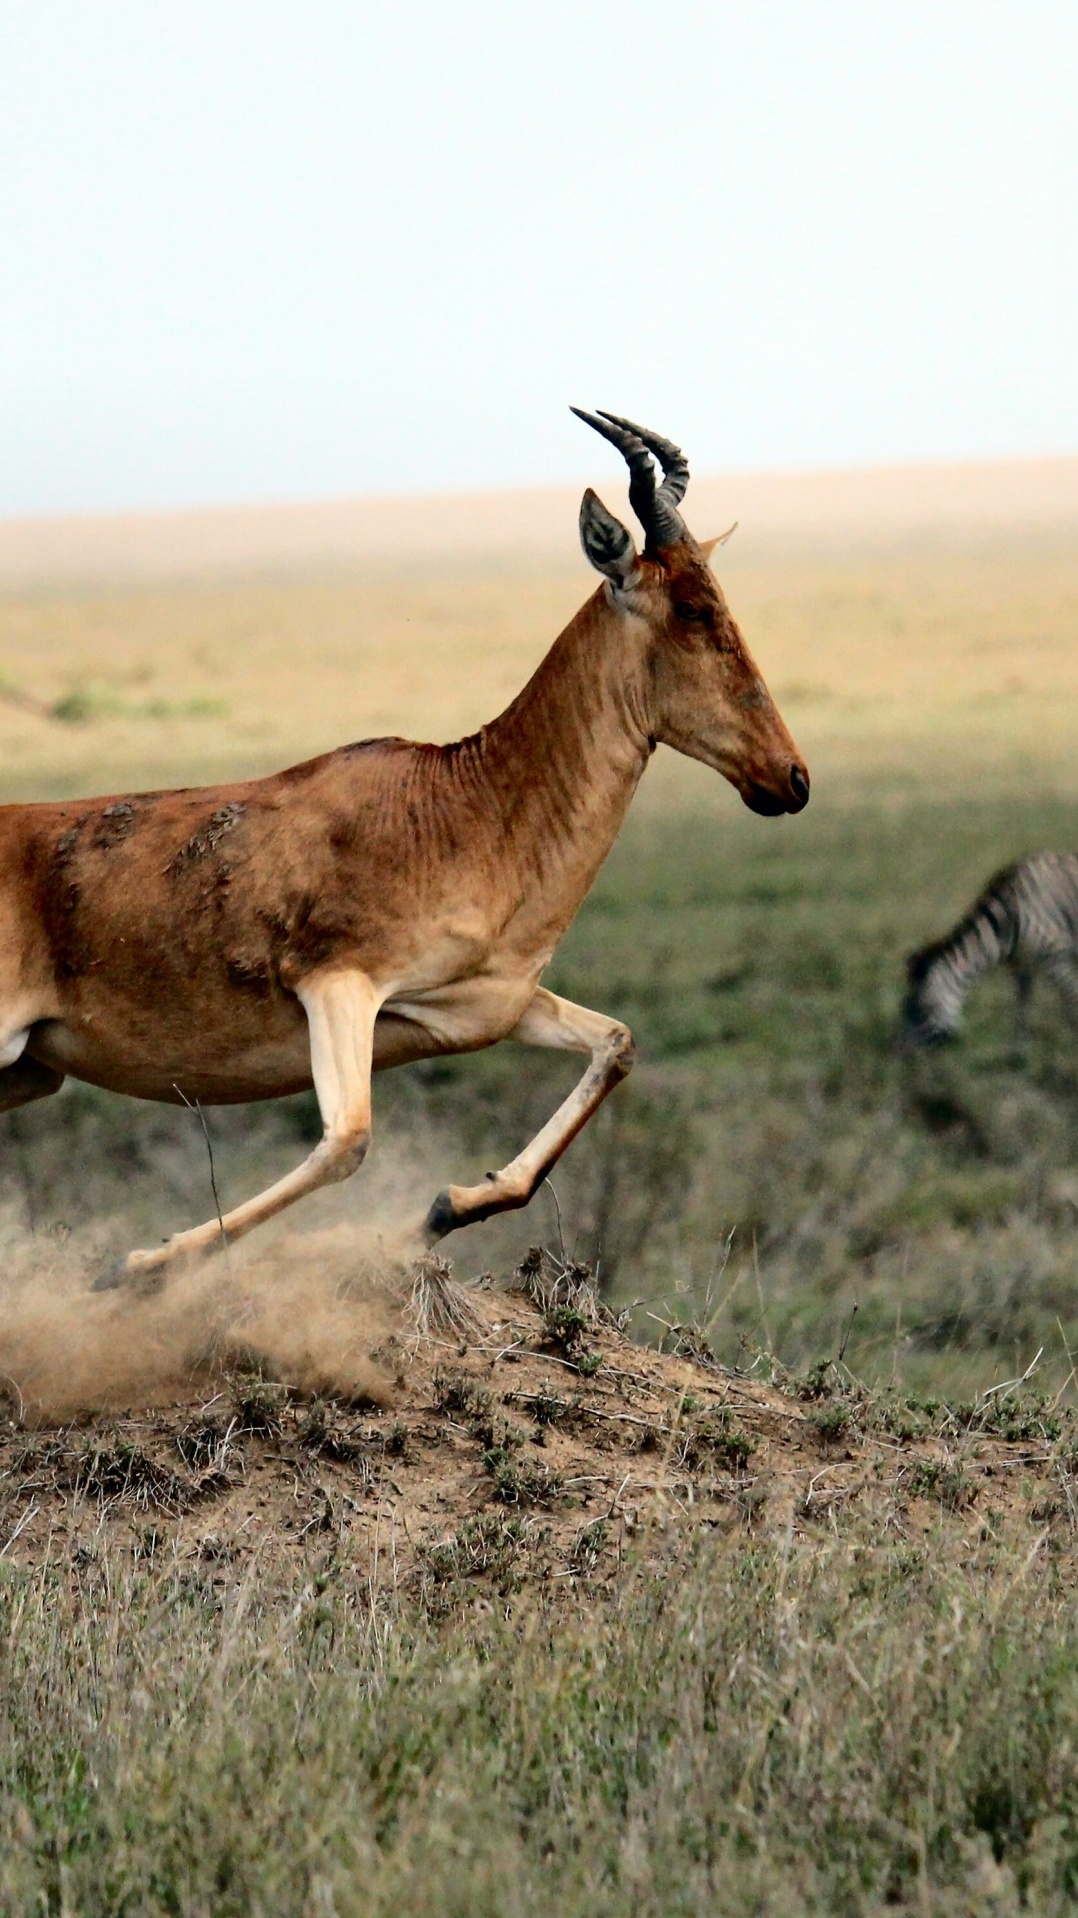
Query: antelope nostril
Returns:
{"type": "Point", "coordinates": [799, 785]}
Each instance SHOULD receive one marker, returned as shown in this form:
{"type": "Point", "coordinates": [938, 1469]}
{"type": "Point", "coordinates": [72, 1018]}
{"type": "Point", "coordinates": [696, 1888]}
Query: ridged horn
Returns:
{"type": "Point", "coordinates": [655, 506]}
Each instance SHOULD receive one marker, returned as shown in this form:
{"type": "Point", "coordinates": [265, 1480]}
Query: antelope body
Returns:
{"type": "Point", "coordinates": [388, 901]}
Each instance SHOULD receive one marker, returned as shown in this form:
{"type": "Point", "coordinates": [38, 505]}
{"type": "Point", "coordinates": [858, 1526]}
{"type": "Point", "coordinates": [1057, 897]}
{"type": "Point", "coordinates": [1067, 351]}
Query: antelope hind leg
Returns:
{"type": "Point", "coordinates": [549, 1021]}
{"type": "Point", "coordinates": [341, 1008]}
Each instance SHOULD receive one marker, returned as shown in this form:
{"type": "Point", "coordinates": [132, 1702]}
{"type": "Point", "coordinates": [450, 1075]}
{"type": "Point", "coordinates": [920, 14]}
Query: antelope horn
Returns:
{"type": "Point", "coordinates": [655, 506]}
{"type": "Point", "coordinates": [670, 457]}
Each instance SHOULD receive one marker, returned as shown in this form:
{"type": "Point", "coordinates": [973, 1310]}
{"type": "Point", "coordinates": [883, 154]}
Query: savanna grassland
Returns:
{"type": "Point", "coordinates": [752, 1698]}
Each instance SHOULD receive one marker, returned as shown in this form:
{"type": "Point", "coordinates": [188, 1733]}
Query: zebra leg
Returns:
{"type": "Point", "coordinates": [1062, 970]}
{"type": "Point", "coordinates": [1023, 993]}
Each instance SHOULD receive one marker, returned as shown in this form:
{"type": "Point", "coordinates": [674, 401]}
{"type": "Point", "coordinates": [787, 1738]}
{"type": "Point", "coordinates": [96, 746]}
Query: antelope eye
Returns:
{"type": "Point", "coordinates": [692, 615]}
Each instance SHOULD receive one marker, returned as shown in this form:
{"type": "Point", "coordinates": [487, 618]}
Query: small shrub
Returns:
{"type": "Point", "coordinates": [831, 1422]}
{"type": "Point", "coordinates": [259, 1406]}
{"type": "Point", "coordinates": [947, 1483]}
{"type": "Point", "coordinates": [461, 1396]}
{"type": "Point", "coordinates": [439, 1306]}
{"type": "Point", "coordinates": [819, 1382]}
{"type": "Point", "coordinates": [718, 1441]}
{"type": "Point", "coordinates": [487, 1546]}
{"type": "Point", "coordinates": [206, 1446]}
{"type": "Point", "coordinates": [1031, 1417]}
{"type": "Point", "coordinates": [517, 1481]}
{"type": "Point", "coordinates": [898, 1417]}
{"type": "Point", "coordinates": [397, 1440]}
{"type": "Point", "coordinates": [325, 1433]}
{"type": "Point", "coordinates": [547, 1408]}
{"type": "Point", "coordinates": [551, 1282]}
{"type": "Point", "coordinates": [691, 1342]}
{"type": "Point", "coordinates": [565, 1326]}
{"type": "Point", "coordinates": [588, 1547]}
{"type": "Point", "coordinates": [199, 1443]}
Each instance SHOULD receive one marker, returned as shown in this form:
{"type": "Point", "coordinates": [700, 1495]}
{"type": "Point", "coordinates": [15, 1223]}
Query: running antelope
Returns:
{"type": "Point", "coordinates": [1027, 919]}
{"type": "Point", "coordinates": [385, 902]}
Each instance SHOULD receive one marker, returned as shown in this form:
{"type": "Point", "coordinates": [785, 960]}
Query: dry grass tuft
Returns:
{"type": "Point", "coordinates": [556, 1284]}
{"type": "Point", "coordinates": [438, 1306]}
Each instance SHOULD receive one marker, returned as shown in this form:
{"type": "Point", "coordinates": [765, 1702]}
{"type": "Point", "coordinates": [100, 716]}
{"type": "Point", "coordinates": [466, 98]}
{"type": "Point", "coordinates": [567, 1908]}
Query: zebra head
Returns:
{"type": "Point", "coordinates": [934, 995]}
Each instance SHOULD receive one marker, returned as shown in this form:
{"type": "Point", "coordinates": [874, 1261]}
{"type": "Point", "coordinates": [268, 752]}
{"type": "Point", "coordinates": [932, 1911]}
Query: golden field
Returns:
{"type": "Point", "coordinates": [907, 622]}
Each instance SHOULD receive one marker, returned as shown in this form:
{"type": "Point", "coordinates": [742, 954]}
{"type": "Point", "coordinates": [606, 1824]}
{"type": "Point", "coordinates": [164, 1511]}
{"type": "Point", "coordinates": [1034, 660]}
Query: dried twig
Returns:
{"type": "Point", "coordinates": [195, 1107]}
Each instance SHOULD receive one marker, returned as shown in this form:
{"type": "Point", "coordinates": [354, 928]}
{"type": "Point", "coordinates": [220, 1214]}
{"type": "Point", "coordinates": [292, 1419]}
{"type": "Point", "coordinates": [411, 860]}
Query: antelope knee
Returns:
{"type": "Point", "coordinates": [346, 1151]}
{"type": "Point", "coordinates": [620, 1051]}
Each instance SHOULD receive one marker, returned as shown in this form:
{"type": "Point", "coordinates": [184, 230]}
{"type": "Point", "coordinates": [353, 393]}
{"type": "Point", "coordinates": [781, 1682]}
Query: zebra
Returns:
{"type": "Point", "coordinates": [1026, 918]}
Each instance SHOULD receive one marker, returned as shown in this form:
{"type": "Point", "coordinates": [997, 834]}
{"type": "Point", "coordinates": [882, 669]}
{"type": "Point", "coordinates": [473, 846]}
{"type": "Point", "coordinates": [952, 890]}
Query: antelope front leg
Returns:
{"type": "Point", "coordinates": [341, 1009]}
{"type": "Point", "coordinates": [549, 1021]}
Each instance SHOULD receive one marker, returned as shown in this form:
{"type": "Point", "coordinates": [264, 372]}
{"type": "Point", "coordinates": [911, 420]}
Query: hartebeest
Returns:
{"type": "Point", "coordinates": [387, 901]}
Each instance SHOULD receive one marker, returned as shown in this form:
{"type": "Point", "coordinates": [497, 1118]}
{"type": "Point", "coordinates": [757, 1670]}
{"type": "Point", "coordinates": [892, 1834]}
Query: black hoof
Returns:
{"type": "Point", "coordinates": [118, 1277]}
{"type": "Point", "coordinates": [441, 1218]}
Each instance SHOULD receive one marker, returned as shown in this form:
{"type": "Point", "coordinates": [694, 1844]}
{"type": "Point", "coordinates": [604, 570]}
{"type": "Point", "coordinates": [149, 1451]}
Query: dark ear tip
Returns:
{"type": "Point", "coordinates": [593, 513]}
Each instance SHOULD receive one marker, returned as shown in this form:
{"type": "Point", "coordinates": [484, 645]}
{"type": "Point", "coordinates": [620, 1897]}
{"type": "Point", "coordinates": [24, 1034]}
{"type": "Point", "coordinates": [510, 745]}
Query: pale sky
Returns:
{"type": "Point", "coordinates": [295, 249]}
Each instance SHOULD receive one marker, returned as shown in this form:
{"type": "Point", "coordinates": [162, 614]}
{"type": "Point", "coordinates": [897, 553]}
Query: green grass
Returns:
{"type": "Point", "coordinates": [840, 1727]}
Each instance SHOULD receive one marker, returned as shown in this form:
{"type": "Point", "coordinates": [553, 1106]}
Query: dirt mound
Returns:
{"type": "Point", "coordinates": [521, 1437]}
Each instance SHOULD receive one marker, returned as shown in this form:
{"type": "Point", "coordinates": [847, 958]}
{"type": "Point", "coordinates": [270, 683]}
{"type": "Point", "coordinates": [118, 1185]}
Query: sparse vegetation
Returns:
{"type": "Point", "coordinates": [941, 1479]}
{"type": "Point", "coordinates": [462, 1396]}
{"type": "Point", "coordinates": [259, 1404]}
{"type": "Point", "coordinates": [83, 704]}
{"type": "Point", "coordinates": [717, 1440]}
{"type": "Point", "coordinates": [830, 1421]}
{"type": "Point", "coordinates": [486, 1547]}
{"type": "Point", "coordinates": [519, 1480]}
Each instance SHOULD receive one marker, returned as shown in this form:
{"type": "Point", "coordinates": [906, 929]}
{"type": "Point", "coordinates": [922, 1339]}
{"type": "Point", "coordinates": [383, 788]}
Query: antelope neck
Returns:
{"type": "Point", "coordinates": [562, 762]}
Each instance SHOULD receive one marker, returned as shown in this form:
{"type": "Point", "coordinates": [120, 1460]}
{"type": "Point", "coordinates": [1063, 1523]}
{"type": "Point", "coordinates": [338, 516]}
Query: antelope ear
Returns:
{"type": "Point", "coordinates": [608, 545]}
{"type": "Point", "coordinates": [707, 546]}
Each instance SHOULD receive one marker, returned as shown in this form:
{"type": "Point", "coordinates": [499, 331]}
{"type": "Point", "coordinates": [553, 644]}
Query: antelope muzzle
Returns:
{"type": "Point", "coordinates": [791, 796]}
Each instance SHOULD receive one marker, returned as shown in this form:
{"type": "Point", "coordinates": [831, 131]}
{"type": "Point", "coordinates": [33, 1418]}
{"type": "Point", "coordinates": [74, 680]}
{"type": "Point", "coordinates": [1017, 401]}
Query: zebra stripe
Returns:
{"type": "Point", "coordinates": [1026, 918]}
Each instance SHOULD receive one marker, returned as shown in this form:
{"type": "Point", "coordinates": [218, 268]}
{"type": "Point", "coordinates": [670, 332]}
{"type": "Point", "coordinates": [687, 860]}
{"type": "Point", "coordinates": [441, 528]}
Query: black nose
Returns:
{"type": "Point", "coordinates": [799, 785]}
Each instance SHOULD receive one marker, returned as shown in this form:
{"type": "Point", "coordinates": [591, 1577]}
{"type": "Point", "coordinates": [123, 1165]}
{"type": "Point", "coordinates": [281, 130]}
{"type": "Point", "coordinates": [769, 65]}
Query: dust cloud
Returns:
{"type": "Point", "coordinates": [308, 1309]}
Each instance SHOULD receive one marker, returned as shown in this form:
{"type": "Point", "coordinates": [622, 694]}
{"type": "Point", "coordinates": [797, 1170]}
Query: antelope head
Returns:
{"type": "Point", "coordinates": [704, 695]}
